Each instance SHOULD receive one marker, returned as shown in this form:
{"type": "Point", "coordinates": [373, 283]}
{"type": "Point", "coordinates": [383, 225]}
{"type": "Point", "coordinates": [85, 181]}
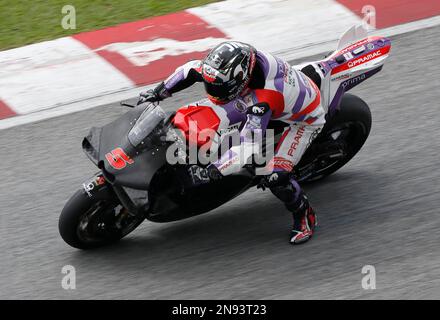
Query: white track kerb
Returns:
{"type": "Point", "coordinates": [62, 76]}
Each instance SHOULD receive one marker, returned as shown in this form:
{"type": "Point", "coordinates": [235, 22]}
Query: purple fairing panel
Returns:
{"type": "Point", "coordinates": [350, 84]}
{"type": "Point", "coordinates": [353, 82]}
{"type": "Point", "coordinates": [336, 99]}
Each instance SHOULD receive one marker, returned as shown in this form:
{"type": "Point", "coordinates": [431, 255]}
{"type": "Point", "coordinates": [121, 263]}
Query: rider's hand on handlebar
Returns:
{"type": "Point", "coordinates": [148, 96]}
{"type": "Point", "coordinates": [154, 95]}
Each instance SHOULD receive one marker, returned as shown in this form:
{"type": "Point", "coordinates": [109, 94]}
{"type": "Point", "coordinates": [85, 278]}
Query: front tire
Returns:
{"type": "Point", "coordinates": [87, 223]}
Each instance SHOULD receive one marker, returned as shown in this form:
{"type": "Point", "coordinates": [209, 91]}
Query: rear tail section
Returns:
{"type": "Point", "coordinates": [356, 60]}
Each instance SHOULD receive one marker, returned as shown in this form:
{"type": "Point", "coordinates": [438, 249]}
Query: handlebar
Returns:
{"type": "Point", "coordinates": [126, 104]}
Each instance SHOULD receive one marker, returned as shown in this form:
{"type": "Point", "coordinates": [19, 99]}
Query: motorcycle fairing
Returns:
{"type": "Point", "coordinates": [355, 61]}
{"type": "Point", "coordinates": [172, 198]}
{"type": "Point", "coordinates": [357, 58]}
{"type": "Point", "coordinates": [192, 120]}
{"type": "Point", "coordinates": [104, 140]}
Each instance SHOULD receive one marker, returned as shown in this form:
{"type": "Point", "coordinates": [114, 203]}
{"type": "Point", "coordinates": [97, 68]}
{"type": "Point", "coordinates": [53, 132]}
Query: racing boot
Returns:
{"type": "Point", "coordinates": [304, 222]}
{"type": "Point", "coordinates": [288, 191]}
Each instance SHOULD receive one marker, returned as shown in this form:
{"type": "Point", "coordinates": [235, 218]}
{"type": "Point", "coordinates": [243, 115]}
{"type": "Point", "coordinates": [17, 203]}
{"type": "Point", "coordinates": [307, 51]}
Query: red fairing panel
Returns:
{"type": "Point", "coordinates": [197, 119]}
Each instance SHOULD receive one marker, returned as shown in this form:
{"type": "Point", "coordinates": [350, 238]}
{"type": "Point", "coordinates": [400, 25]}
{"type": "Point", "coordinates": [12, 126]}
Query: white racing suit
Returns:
{"type": "Point", "coordinates": [279, 92]}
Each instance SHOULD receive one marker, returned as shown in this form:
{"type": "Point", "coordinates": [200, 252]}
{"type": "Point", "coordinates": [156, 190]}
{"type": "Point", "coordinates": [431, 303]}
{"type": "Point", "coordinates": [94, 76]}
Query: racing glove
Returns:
{"type": "Point", "coordinates": [154, 95]}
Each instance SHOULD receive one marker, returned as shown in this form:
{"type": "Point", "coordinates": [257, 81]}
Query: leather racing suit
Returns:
{"type": "Point", "coordinates": [280, 92]}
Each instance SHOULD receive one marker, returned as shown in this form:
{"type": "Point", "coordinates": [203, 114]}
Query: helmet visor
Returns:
{"type": "Point", "coordinates": [222, 92]}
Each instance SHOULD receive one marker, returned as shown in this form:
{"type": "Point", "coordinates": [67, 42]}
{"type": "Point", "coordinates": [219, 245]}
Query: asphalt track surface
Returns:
{"type": "Point", "coordinates": [382, 210]}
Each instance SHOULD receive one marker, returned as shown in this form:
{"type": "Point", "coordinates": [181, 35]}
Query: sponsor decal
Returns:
{"type": "Point", "coordinates": [273, 177]}
{"type": "Point", "coordinates": [258, 110]}
{"type": "Point", "coordinates": [240, 106]}
{"type": "Point", "coordinates": [88, 188]}
{"type": "Point", "coordinates": [289, 77]}
{"type": "Point", "coordinates": [284, 164]}
{"type": "Point", "coordinates": [231, 129]}
{"type": "Point", "coordinates": [359, 50]}
{"type": "Point", "coordinates": [296, 140]}
{"type": "Point", "coordinates": [228, 163]}
{"type": "Point", "coordinates": [353, 46]}
{"type": "Point", "coordinates": [341, 77]}
{"type": "Point", "coordinates": [118, 159]}
{"type": "Point", "coordinates": [354, 81]}
{"type": "Point", "coordinates": [215, 60]}
{"type": "Point", "coordinates": [361, 60]}
{"type": "Point", "coordinates": [348, 56]}
{"type": "Point", "coordinates": [281, 67]}
{"type": "Point", "coordinates": [364, 59]}
{"type": "Point", "coordinates": [209, 73]}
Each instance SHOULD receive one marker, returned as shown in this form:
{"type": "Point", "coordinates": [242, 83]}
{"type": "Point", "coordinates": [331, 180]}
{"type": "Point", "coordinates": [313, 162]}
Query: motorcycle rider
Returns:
{"type": "Point", "coordinates": [271, 89]}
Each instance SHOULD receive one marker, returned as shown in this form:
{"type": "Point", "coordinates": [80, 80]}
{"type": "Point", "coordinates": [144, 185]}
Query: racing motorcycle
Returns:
{"type": "Point", "coordinates": [136, 182]}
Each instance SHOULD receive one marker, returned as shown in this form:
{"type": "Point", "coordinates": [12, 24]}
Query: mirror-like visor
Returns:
{"type": "Point", "coordinates": [221, 91]}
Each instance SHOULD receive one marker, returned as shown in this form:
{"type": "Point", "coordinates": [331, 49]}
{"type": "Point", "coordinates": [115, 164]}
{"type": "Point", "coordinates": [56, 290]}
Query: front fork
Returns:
{"type": "Point", "coordinates": [99, 188]}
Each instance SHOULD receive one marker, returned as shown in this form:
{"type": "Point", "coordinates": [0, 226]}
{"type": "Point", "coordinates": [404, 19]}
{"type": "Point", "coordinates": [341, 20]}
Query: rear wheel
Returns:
{"type": "Point", "coordinates": [87, 223]}
{"type": "Point", "coordinates": [342, 137]}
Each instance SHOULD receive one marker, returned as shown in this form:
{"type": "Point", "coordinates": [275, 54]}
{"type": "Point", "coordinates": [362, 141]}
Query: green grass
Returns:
{"type": "Point", "coordinates": [28, 21]}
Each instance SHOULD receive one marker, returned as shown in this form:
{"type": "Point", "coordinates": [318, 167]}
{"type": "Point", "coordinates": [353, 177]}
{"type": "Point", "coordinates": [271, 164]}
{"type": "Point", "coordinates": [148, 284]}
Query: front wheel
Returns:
{"type": "Point", "coordinates": [342, 137]}
{"type": "Point", "coordinates": [86, 222]}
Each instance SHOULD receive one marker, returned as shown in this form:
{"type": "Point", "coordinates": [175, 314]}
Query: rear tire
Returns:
{"type": "Point", "coordinates": [83, 222]}
{"type": "Point", "coordinates": [352, 122]}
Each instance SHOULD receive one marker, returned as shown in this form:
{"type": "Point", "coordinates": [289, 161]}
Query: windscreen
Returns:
{"type": "Point", "coordinates": [152, 117]}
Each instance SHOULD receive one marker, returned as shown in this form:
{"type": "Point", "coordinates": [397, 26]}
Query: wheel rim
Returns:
{"type": "Point", "coordinates": [343, 139]}
{"type": "Point", "coordinates": [104, 222]}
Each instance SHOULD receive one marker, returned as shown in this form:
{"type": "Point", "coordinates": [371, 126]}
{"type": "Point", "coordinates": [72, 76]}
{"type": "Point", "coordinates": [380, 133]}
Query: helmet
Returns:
{"type": "Point", "coordinates": [227, 70]}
